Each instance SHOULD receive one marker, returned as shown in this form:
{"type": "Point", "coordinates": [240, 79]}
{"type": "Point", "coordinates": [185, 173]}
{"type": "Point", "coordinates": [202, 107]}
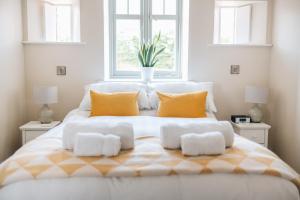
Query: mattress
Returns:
{"type": "Point", "coordinates": [210, 186]}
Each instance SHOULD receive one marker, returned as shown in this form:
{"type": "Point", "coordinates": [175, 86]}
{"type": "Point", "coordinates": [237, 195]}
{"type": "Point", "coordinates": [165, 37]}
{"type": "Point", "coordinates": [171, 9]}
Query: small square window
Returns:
{"type": "Point", "coordinates": [61, 21]}
{"type": "Point", "coordinates": [240, 22]}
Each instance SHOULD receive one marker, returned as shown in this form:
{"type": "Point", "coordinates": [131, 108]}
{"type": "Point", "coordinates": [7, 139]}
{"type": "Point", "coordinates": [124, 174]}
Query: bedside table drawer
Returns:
{"type": "Point", "coordinates": [257, 136]}
{"type": "Point", "coordinates": [31, 135]}
{"type": "Point", "coordinates": [34, 129]}
{"type": "Point", "coordinates": [256, 132]}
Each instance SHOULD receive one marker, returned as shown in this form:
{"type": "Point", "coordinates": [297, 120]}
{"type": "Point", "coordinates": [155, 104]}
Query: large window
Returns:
{"type": "Point", "coordinates": [241, 22]}
{"type": "Point", "coordinates": [134, 21]}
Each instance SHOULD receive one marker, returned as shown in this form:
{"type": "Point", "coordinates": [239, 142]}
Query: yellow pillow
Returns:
{"type": "Point", "coordinates": [187, 105]}
{"type": "Point", "coordinates": [114, 104]}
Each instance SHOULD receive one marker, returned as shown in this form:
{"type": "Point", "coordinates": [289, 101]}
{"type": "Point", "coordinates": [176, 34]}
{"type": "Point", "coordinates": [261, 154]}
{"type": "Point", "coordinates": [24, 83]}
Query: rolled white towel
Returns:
{"type": "Point", "coordinates": [111, 146]}
{"type": "Point", "coordinates": [88, 144]}
{"type": "Point", "coordinates": [171, 133]}
{"type": "Point", "coordinates": [212, 143]}
{"type": "Point", "coordinates": [123, 130]}
{"type": "Point", "coordinates": [95, 144]}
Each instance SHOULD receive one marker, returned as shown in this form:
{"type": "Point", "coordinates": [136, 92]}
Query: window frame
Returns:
{"type": "Point", "coordinates": [145, 18]}
{"type": "Point", "coordinates": [219, 8]}
{"type": "Point", "coordinates": [71, 20]}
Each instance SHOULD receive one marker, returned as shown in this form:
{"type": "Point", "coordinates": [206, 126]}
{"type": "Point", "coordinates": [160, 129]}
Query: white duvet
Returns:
{"type": "Point", "coordinates": [206, 187]}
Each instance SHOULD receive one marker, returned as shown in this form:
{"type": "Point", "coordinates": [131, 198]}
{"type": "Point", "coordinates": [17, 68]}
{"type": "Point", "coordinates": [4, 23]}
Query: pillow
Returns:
{"type": "Point", "coordinates": [188, 105]}
{"type": "Point", "coordinates": [183, 87]}
{"type": "Point", "coordinates": [111, 87]}
{"type": "Point", "coordinates": [114, 104]}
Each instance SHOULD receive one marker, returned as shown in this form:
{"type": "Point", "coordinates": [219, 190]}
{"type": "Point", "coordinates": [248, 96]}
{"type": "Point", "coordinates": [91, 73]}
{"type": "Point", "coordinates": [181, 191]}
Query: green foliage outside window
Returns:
{"type": "Point", "coordinates": [127, 50]}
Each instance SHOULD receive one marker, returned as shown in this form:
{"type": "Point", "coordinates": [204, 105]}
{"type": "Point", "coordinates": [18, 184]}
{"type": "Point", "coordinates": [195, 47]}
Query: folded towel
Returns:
{"type": "Point", "coordinates": [88, 144]}
{"type": "Point", "coordinates": [123, 130]}
{"type": "Point", "coordinates": [95, 144]}
{"type": "Point", "coordinates": [171, 133]}
{"type": "Point", "coordinates": [212, 143]}
{"type": "Point", "coordinates": [111, 146]}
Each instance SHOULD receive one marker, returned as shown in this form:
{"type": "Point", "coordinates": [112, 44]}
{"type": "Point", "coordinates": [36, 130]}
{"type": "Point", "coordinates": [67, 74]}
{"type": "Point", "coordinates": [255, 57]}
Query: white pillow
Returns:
{"type": "Point", "coordinates": [110, 87]}
{"type": "Point", "coordinates": [183, 87]}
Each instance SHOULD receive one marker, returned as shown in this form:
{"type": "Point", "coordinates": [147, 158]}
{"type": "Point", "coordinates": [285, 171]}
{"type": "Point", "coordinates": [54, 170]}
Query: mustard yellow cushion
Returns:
{"type": "Point", "coordinates": [187, 105]}
{"type": "Point", "coordinates": [114, 104]}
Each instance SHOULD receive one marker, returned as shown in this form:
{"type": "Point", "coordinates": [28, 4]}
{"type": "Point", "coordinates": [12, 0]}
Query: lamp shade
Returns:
{"type": "Point", "coordinates": [45, 95]}
{"type": "Point", "coordinates": [256, 95]}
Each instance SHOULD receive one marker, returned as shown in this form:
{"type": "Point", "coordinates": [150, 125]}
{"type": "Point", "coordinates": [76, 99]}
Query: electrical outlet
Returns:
{"type": "Point", "coordinates": [235, 69]}
{"type": "Point", "coordinates": [61, 70]}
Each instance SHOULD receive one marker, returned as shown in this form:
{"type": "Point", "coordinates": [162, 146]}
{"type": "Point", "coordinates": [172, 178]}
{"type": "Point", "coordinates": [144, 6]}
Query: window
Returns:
{"type": "Point", "coordinates": [61, 21]}
{"type": "Point", "coordinates": [240, 22]}
{"type": "Point", "coordinates": [134, 21]}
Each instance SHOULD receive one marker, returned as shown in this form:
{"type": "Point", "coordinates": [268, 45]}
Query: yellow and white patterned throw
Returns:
{"type": "Point", "coordinates": [45, 159]}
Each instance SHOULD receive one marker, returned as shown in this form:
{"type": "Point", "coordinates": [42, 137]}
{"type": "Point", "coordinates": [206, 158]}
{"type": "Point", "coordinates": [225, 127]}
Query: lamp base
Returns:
{"type": "Point", "coordinates": [46, 115]}
{"type": "Point", "coordinates": [256, 114]}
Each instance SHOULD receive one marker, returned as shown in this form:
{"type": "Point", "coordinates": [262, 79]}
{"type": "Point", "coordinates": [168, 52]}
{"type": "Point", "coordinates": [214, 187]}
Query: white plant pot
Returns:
{"type": "Point", "coordinates": [147, 74]}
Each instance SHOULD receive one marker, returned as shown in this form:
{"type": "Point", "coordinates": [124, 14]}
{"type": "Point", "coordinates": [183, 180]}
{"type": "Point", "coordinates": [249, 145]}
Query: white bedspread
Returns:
{"type": "Point", "coordinates": [206, 187]}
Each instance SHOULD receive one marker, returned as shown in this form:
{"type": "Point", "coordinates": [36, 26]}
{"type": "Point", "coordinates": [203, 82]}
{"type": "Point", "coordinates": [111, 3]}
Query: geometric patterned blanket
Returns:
{"type": "Point", "coordinates": [45, 158]}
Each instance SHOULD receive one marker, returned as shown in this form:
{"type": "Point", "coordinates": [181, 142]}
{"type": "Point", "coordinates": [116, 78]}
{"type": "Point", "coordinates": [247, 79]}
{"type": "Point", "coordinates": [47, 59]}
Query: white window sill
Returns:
{"type": "Point", "coordinates": [140, 80]}
{"type": "Point", "coordinates": [52, 43]}
{"type": "Point", "coordinates": [240, 45]}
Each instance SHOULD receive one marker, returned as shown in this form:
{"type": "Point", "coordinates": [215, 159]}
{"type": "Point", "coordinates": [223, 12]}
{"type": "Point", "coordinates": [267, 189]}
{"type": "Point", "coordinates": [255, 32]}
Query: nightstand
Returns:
{"type": "Point", "coordinates": [256, 132]}
{"type": "Point", "coordinates": [33, 129]}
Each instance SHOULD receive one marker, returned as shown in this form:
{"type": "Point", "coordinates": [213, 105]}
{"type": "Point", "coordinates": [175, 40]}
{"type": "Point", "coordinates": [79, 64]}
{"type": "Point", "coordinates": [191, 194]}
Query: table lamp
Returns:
{"type": "Point", "coordinates": [45, 96]}
{"type": "Point", "coordinates": [256, 96]}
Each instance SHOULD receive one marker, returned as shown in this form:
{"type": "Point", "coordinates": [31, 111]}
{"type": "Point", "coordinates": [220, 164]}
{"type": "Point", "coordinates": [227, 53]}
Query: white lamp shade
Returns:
{"type": "Point", "coordinates": [45, 95]}
{"type": "Point", "coordinates": [256, 95]}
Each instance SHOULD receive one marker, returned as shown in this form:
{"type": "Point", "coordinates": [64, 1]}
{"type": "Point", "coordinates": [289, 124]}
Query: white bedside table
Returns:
{"type": "Point", "coordinates": [257, 132]}
{"type": "Point", "coordinates": [33, 129]}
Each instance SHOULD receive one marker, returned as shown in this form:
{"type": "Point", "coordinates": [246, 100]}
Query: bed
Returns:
{"type": "Point", "coordinates": [170, 185]}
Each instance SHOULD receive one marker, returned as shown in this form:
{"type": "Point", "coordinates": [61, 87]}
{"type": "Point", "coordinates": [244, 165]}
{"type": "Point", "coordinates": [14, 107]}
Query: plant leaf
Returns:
{"type": "Point", "coordinates": [149, 55]}
{"type": "Point", "coordinates": [160, 51]}
{"type": "Point", "coordinates": [154, 63]}
{"type": "Point", "coordinates": [141, 59]}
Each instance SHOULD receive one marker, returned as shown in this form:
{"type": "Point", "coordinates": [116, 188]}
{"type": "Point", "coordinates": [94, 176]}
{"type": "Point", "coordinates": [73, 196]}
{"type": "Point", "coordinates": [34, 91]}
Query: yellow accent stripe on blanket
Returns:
{"type": "Point", "coordinates": [45, 159]}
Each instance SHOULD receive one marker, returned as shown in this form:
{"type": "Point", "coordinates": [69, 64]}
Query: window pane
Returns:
{"type": "Point", "coordinates": [64, 20]}
{"type": "Point", "coordinates": [170, 7]}
{"type": "Point", "coordinates": [127, 42]}
{"type": "Point", "coordinates": [243, 20]}
{"type": "Point", "coordinates": [157, 7]}
{"type": "Point", "coordinates": [50, 22]}
{"type": "Point", "coordinates": [121, 6]}
{"type": "Point", "coordinates": [167, 28]}
{"type": "Point", "coordinates": [227, 25]}
{"type": "Point", "coordinates": [134, 7]}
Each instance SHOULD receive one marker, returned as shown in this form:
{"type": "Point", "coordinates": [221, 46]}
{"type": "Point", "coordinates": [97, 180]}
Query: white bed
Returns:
{"type": "Point", "coordinates": [181, 187]}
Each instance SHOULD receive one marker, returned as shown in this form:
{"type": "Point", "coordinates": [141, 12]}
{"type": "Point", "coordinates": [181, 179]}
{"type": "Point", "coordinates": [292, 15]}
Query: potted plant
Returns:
{"type": "Point", "coordinates": [148, 57]}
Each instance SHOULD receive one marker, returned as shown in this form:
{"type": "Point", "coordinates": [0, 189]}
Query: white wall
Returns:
{"type": "Point", "coordinates": [85, 64]}
{"type": "Point", "coordinates": [11, 77]}
{"type": "Point", "coordinates": [208, 63]}
{"type": "Point", "coordinates": [32, 10]}
{"type": "Point", "coordinates": [259, 21]}
{"type": "Point", "coordinates": [284, 81]}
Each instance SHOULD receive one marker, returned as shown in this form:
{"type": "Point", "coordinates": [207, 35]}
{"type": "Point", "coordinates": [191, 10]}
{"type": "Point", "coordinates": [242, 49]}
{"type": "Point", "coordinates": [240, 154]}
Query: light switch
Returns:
{"type": "Point", "coordinates": [61, 70]}
{"type": "Point", "coordinates": [235, 69]}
